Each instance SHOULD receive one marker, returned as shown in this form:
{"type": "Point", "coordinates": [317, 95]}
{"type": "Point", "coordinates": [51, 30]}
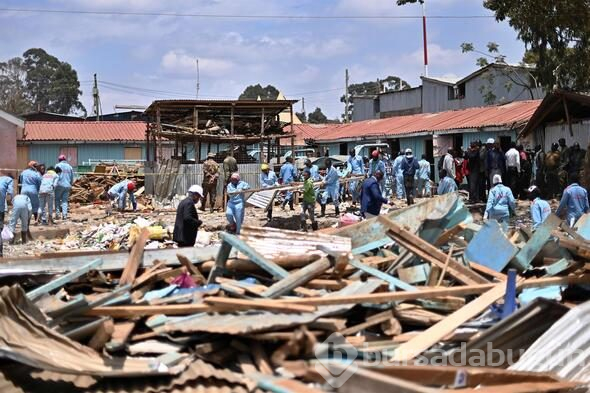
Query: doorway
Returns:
{"type": "Point", "coordinates": [429, 151]}
{"type": "Point", "coordinates": [505, 143]}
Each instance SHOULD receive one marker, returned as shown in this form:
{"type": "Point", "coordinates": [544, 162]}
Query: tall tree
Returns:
{"type": "Point", "coordinates": [317, 117]}
{"type": "Point", "coordinates": [252, 92]}
{"type": "Point", "coordinates": [13, 95]}
{"type": "Point", "coordinates": [391, 83]}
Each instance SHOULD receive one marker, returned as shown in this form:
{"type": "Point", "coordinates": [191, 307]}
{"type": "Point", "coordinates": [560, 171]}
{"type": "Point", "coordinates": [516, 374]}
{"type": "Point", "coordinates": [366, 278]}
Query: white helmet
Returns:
{"type": "Point", "coordinates": [196, 189]}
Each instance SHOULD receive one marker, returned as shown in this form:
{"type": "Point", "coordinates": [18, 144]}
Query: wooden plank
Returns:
{"type": "Point", "coordinates": [268, 305]}
{"type": "Point", "coordinates": [192, 269]}
{"type": "Point", "coordinates": [102, 335]}
{"type": "Point", "coordinates": [444, 270]}
{"type": "Point", "coordinates": [371, 321]}
{"type": "Point", "coordinates": [135, 258]}
{"type": "Point", "coordinates": [524, 387]}
{"type": "Point", "coordinates": [121, 333]}
{"type": "Point", "coordinates": [435, 333]}
{"type": "Point", "coordinates": [63, 280]}
{"type": "Point", "coordinates": [261, 359]}
{"type": "Point", "coordinates": [487, 271]}
{"type": "Point", "coordinates": [381, 275]}
{"type": "Point", "coordinates": [297, 279]}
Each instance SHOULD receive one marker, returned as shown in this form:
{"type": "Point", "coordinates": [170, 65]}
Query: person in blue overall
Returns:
{"type": "Point", "coordinates": [540, 208]}
{"type": "Point", "coordinates": [574, 201]}
{"type": "Point", "coordinates": [500, 203]}
{"type": "Point", "coordinates": [446, 184]}
{"type": "Point", "coordinates": [355, 167]}
{"type": "Point", "coordinates": [423, 177]}
{"type": "Point", "coordinates": [377, 164]}
{"type": "Point", "coordinates": [268, 179]}
{"type": "Point", "coordinates": [6, 194]}
{"type": "Point", "coordinates": [236, 203]}
{"type": "Point", "coordinates": [119, 193]}
{"type": "Point", "coordinates": [288, 174]}
{"type": "Point", "coordinates": [30, 180]}
{"type": "Point", "coordinates": [399, 176]}
{"type": "Point", "coordinates": [64, 187]}
{"type": "Point", "coordinates": [331, 184]}
{"type": "Point", "coordinates": [21, 211]}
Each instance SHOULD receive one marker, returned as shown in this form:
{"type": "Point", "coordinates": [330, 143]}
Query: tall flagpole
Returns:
{"type": "Point", "coordinates": [424, 37]}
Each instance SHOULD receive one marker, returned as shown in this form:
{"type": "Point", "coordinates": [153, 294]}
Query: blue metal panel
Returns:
{"type": "Point", "coordinates": [44, 153]}
{"type": "Point", "coordinates": [100, 151]}
{"type": "Point", "coordinates": [415, 143]}
{"type": "Point", "coordinates": [490, 237]}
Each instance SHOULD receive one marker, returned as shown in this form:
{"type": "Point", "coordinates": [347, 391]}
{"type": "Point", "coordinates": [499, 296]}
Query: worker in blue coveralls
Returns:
{"type": "Point", "coordinates": [423, 177]}
{"type": "Point", "coordinates": [288, 174]}
{"type": "Point", "coordinates": [6, 194]}
{"type": "Point", "coordinates": [540, 208]}
{"type": "Point", "coordinates": [30, 180]}
{"type": "Point", "coordinates": [446, 184]}
{"type": "Point", "coordinates": [574, 201]}
{"type": "Point", "coordinates": [21, 211]}
{"type": "Point", "coordinates": [64, 186]}
{"type": "Point", "coordinates": [268, 179]}
{"type": "Point", "coordinates": [409, 167]}
{"type": "Point", "coordinates": [331, 185]}
{"type": "Point", "coordinates": [236, 203]}
{"type": "Point", "coordinates": [377, 164]}
{"type": "Point", "coordinates": [119, 193]}
{"type": "Point", "coordinates": [399, 176]}
{"type": "Point", "coordinates": [500, 203]}
{"type": "Point", "coordinates": [356, 167]}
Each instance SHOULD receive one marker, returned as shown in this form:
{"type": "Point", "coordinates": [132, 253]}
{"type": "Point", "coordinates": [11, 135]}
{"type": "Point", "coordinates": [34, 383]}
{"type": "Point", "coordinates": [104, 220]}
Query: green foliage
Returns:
{"type": "Point", "coordinates": [302, 116]}
{"type": "Point", "coordinates": [317, 117]}
{"type": "Point", "coordinates": [467, 47]}
{"type": "Point", "coordinates": [391, 83]}
{"type": "Point", "coordinates": [12, 86]}
{"type": "Point", "coordinates": [252, 92]}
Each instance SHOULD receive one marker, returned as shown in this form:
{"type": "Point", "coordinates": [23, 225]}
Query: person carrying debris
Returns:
{"type": "Point", "coordinates": [64, 186]}
{"type": "Point", "coordinates": [47, 194]}
{"type": "Point", "coordinates": [371, 196]}
{"type": "Point", "coordinates": [30, 180]}
{"type": "Point", "coordinates": [210, 176]}
{"type": "Point", "coordinates": [409, 168]}
{"type": "Point", "coordinates": [187, 220]}
{"type": "Point", "coordinates": [288, 174]}
{"type": "Point", "coordinates": [22, 209]}
{"type": "Point", "coordinates": [236, 203]}
{"type": "Point", "coordinates": [399, 176]}
{"type": "Point", "coordinates": [355, 167]}
{"type": "Point", "coordinates": [268, 179]}
{"type": "Point", "coordinates": [540, 208]}
{"type": "Point", "coordinates": [423, 177]}
{"type": "Point", "coordinates": [332, 184]}
{"type": "Point", "coordinates": [446, 184]}
{"type": "Point", "coordinates": [574, 202]}
{"type": "Point", "coordinates": [551, 166]}
{"type": "Point", "coordinates": [308, 205]}
{"type": "Point", "coordinates": [6, 194]}
{"type": "Point", "coordinates": [118, 193]}
{"type": "Point", "coordinates": [500, 203]}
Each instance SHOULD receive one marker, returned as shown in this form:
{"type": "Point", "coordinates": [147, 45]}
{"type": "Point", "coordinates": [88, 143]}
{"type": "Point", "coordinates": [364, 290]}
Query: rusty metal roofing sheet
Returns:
{"type": "Point", "coordinates": [99, 131]}
{"type": "Point", "coordinates": [253, 322]}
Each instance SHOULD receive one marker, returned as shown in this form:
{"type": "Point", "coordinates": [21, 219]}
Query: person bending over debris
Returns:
{"type": "Point", "coordinates": [371, 196]}
{"type": "Point", "coordinates": [308, 204]}
{"type": "Point", "coordinates": [30, 180]}
{"type": "Point", "coordinates": [268, 179]}
{"type": "Point", "coordinates": [21, 210]}
{"type": "Point", "coordinates": [332, 184]}
{"type": "Point", "coordinates": [500, 203]}
{"type": "Point", "coordinates": [236, 203]}
{"type": "Point", "coordinates": [64, 186]}
{"type": "Point", "coordinates": [187, 220]}
{"type": "Point", "coordinates": [118, 193]}
{"type": "Point", "coordinates": [6, 194]}
{"type": "Point", "coordinates": [446, 184]}
{"type": "Point", "coordinates": [540, 208]}
{"type": "Point", "coordinates": [210, 177]}
{"type": "Point", "coordinates": [574, 202]}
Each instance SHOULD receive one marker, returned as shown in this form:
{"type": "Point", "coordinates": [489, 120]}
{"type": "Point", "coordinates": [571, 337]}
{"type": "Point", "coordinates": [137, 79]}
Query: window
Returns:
{"type": "Point", "coordinates": [456, 92]}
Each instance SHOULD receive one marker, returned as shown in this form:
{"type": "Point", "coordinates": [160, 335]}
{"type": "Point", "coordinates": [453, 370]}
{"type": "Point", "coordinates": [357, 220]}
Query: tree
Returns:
{"type": "Point", "coordinates": [317, 117]}
{"type": "Point", "coordinates": [302, 116]}
{"type": "Point", "coordinates": [13, 86]}
{"type": "Point", "coordinates": [252, 92]}
{"type": "Point", "coordinates": [556, 35]}
{"type": "Point", "coordinates": [391, 83]}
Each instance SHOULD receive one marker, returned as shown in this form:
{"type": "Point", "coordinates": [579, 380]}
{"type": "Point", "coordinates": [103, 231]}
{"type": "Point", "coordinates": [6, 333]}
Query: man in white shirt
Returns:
{"type": "Point", "coordinates": [512, 167]}
{"type": "Point", "coordinates": [449, 164]}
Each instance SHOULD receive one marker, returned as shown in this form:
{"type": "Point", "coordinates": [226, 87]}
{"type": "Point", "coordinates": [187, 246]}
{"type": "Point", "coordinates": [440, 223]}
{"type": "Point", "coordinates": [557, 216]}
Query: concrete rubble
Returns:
{"type": "Point", "coordinates": [419, 299]}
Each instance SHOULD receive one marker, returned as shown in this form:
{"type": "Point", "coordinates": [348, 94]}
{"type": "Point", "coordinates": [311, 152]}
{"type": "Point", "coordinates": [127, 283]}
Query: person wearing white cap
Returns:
{"type": "Point", "coordinates": [500, 203]}
{"type": "Point", "coordinates": [409, 168]}
{"type": "Point", "coordinates": [540, 208]}
{"type": "Point", "coordinates": [187, 220]}
{"type": "Point", "coordinates": [237, 202]}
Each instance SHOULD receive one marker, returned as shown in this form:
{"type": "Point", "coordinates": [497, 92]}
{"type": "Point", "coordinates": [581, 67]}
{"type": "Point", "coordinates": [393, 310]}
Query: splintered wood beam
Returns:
{"type": "Point", "coordinates": [135, 258]}
{"type": "Point", "coordinates": [297, 279]}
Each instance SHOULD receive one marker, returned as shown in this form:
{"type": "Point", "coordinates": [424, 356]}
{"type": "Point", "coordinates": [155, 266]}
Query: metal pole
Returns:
{"type": "Point", "coordinates": [261, 144]}
{"type": "Point", "coordinates": [346, 96]}
{"type": "Point", "coordinates": [231, 130]}
{"type": "Point", "coordinates": [424, 38]}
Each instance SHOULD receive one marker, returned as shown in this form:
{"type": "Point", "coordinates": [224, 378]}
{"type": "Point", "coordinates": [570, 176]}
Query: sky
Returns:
{"type": "Point", "coordinates": [141, 58]}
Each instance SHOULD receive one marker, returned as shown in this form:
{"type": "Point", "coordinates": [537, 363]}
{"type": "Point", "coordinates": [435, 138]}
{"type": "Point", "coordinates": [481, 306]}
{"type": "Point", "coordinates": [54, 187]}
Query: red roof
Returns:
{"type": "Point", "coordinates": [105, 131]}
{"type": "Point", "coordinates": [512, 115]}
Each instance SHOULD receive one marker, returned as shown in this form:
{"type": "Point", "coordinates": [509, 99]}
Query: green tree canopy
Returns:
{"type": "Point", "coordinates": [252, 92]}
{"type": "Point", "coordinates": [317, 117]}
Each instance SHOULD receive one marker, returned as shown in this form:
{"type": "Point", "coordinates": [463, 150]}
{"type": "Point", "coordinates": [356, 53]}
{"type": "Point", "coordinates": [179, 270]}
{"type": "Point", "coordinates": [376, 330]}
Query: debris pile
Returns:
{"type": "Point", "coordinates": [421, 289]}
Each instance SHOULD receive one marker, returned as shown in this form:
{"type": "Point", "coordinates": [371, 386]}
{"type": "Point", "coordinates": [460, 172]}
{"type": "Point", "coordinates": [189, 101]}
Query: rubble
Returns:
{"type": "Point", "coordinates": [267, 310]}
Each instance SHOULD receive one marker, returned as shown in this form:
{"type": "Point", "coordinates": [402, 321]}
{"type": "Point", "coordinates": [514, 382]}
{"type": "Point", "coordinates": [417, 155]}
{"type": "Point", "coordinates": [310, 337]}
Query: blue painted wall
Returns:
{"type": "Point", "coordinates": [48, 153]}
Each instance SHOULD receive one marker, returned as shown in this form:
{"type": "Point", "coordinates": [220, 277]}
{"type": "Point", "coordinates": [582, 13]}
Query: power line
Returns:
{"type": "Point", "coordinates": [236, 16]}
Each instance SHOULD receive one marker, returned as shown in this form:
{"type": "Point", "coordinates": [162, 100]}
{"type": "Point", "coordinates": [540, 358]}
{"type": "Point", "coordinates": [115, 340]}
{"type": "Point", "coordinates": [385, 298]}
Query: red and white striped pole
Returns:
{"type": "Point", "coordinates": [424, 37]}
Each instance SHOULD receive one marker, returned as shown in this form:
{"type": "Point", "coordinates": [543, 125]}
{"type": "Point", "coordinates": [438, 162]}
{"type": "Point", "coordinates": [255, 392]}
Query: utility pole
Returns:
{"type": "Point", "coordinates": [424, 37]}
{"type": "Point", "coordinates": [346, 97]}
{"type": "Point", "coordinates": [198, 81]}
{"type": "Point", "coordinates": [303, 108]}
{"type": "Point", "coordinates": [96, 97]}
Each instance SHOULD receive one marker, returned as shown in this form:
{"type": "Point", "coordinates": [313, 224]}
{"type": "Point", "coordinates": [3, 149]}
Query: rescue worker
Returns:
{"type": "Point", "coordinates": [30, 181]}
{"type": "Point", "coordinates": [446, 184]}
{"type": "Point", "coordinates": [308, 204]}
{"type": "Point", "coordinates": [22, 209]}
{"type": "Point", "coordinates": [376, 163]}
{"type": "Point", "coordinates": [287, 174]}
{"type": "Point", "coordinates": [574, 202]}
{"type": "Point", "coordinates": [236, 203]}
{"type": "Point", "coordinates": [540, 208]}
{"type": "Point", "coordinates": [371, 196]}
{"type": "Point", "coordinates": [268, 179]}
{"type": "Point", "coordinates": [474, 164]}
{"type": "Point", "coordinates": [399, 176]}
{"type": "Point", "coordinates": [355, 167]}
{"type": "Point", "coordinates": [64, 186]}
{"type": "Point", "coordinates": [6, 194]}
{"type": "Point", "coordinates": [314, 171]}
{"type": "Point", "coordinates": [409, 168]}
{"type": "Point", "coordinates": [512, 158]}
{"type": "Point", "coordinates": [331, 185]}
{"type": "Point", "coordinates": [47, 194]}
{"type": "Point", "coordinates": [551, 166]}
{"type": "Point", "coordinates": [118, 193]}
{"type": "Point", "coordinates": [210, 177]}
{"type": "Point", "coordinates": [187, 221]}
{"type": "Point", "coordinates": [500, 203]}
{"type": "Point", "coordinates": [423, 177]}
{"type": "Point", "coordinates": [230, 165]}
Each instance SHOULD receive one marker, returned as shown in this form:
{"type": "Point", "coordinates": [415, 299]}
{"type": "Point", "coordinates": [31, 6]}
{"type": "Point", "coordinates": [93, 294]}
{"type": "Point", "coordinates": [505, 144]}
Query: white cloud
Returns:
{"type": "Point", "coordinates": [179, 63]}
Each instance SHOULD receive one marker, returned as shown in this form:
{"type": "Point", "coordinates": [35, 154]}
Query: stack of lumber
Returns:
{"type": "Point", "coordinates": [268, 309]}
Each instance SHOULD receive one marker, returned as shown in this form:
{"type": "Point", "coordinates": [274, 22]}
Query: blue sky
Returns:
{"type": "Point", "coordinates": [301, 57]}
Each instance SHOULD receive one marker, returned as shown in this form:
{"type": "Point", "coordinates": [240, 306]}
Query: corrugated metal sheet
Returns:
{"type": "Point", "coordinates": [554, 132]}
{"type": "Point", "coordinates": [85, 131]}
{"type": "Point", "coordinates": [400, 100]}
{"type": "Point", "coordinates": [189, 174]}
